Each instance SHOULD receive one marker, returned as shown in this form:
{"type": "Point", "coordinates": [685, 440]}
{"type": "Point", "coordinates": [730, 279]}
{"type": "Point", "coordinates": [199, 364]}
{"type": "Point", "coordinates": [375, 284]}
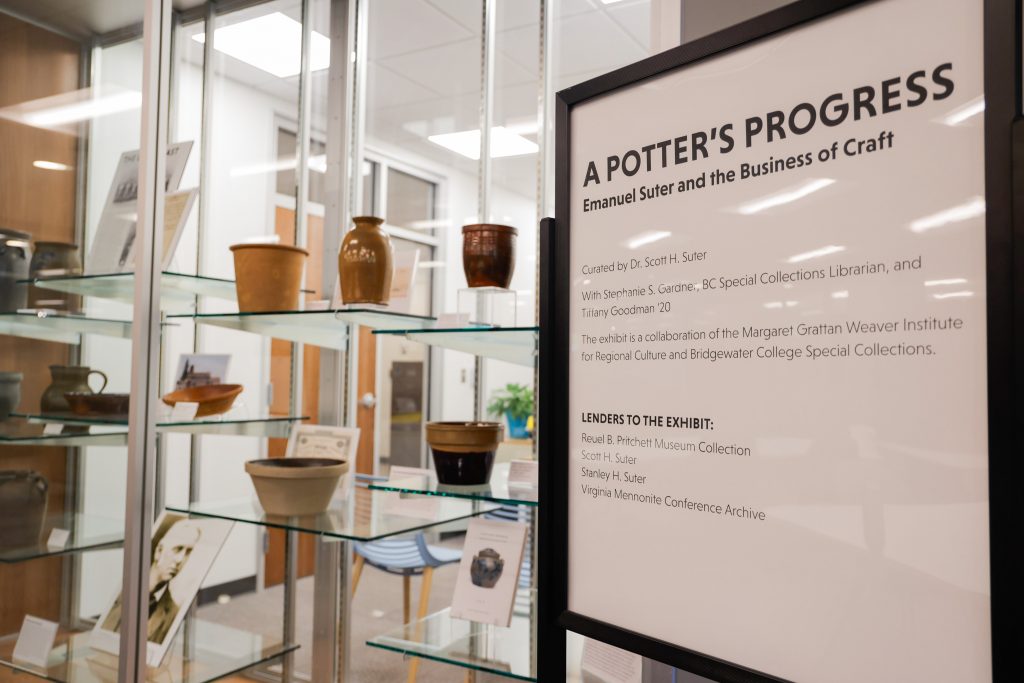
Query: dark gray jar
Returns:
{"type": "Point", "coordinates": [10, 393]}
{"type": "Point", "coordinates": [15, 256]}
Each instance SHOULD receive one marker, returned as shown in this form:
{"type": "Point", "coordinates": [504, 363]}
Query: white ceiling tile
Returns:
{"type": "Point", "coordinates": [404, 26]}
{"type": "Point", "coordinates": [518, 13]}
{"type": "Point", "coordinates": [385, 88]}
{"type": "Point", "coordinates": [592, 41]}
{"type": "Point", "coordinates": [636, 19]}
{"type": "Point", "coordinates": [469, 13]}
{"type": "Point", "coordinates": [454, 69]}
{"type": "Point", "coordinates": [522, 46]}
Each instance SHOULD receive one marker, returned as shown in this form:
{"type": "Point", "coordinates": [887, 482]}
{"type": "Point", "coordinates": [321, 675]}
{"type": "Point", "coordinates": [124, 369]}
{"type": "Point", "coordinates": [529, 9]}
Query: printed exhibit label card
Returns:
{"type": "Point", "coordinates": [485, 589]}
{"type": "Point", "coordinates": [35, 640]}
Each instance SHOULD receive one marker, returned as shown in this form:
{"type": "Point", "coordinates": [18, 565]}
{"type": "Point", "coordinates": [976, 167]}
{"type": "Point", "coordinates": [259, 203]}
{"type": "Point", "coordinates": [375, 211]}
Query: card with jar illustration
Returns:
{"type": "Point", "coordinates": [485, 590]}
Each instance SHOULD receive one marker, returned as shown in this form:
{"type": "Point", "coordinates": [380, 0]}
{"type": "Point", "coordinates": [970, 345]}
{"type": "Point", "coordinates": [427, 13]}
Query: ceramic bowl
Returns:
{"type": "Point", "coordinates": [87, 403]}
{"type": "Point", "coordinates": [213, 399]}
{"type": "Point", "coordinates": [295, 486]}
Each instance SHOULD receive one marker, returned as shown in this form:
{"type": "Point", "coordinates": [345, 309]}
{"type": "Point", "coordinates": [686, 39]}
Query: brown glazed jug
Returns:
{"type": "Point", "coordinates": [366, 263]}
{"type": "Point", "coordinates": [489, 254]}
{"type": "Point", "coordinates": [68, 379]}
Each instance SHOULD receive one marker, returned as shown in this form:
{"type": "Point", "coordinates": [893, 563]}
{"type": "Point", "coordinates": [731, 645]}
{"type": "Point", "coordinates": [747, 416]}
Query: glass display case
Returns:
{"type": "Point", "coordinates": [178, 181]}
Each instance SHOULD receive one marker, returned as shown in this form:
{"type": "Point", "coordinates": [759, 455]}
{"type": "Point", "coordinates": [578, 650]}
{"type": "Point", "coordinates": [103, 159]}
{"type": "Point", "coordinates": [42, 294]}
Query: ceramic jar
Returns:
{"type": "Point", "coordinates": [22, 508]}
{"type": "Point", "coordinates": [486, 568]}
{"type": "Point", "coordinates": [53, 259]}
{"type": "Point", "coordinates": [67, 379]}
{"type": "Point", "coordinates": [10, 392]}
{"type": "Point", "coordinates": [268, 277]}
{"type": "Point", "coordinates": [366, 263]}
{"type": "Point", "coordinates": [464, 451]}
{"type": "Point", "coordinates": [489, 254]}
{"type": "Point", "coordinates": [15, 255]}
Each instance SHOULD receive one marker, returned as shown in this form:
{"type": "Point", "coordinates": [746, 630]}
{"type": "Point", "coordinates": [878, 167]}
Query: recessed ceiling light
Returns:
{"type": "Point", "coordinates": [272, 43]}
{"type": "Point", "coordinates": [504, 143]}
{"type": "Point", "coordinates": [51, 165]}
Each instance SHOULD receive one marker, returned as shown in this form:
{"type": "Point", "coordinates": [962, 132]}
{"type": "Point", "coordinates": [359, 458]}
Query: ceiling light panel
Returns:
{"type": "Point", "coordinates": [272, 43]}
{"type": "Point", "coordinates": [504, 143]}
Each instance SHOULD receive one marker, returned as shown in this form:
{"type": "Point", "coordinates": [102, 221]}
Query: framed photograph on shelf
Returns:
{"type": "Point", "coordinates": [323, 441]}
{"type": "Point", "coordinates": [183, 552]}
{"type": "Point", "coordinates": [201, 369]}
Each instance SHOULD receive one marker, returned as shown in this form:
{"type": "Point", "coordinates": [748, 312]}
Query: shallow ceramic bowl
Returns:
{"type": "Point", "coordinates": [213, 399]}
{"type": "Point", "coordinates": [295, 486]}
{"type": "Point", "coordinates": [87, 403]}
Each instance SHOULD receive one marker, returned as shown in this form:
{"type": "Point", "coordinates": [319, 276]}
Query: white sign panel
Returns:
{"type": "Point", "coordinates": [778, 445]}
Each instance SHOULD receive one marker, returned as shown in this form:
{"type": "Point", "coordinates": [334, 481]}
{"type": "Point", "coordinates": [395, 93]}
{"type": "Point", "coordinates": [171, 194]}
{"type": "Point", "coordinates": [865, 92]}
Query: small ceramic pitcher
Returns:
{"type": "Point", "coordinates": [68, 379]}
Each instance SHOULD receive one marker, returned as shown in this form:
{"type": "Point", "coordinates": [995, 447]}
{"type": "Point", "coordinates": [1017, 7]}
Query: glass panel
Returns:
{"type": "Point", "coordinates": [364, 516]}
{"type": "Point", "coordinates": [497, 491]}
{"type": "Point", "coordinates": [70, 130]}
{"type": "Point", "coordinates": [441, 637]}
{"type": "Point", "coordinates": [215, 651]}
{"type": "Point", "coordinates": [410, 201]}
{"type": "Point", "coordinates": [513, 345]}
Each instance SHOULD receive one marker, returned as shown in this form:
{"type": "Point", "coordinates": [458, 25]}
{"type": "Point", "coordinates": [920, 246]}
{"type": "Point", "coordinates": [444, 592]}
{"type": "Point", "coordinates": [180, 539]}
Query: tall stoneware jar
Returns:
{"type": "Point", "coordinates": [489, 254]}
{"type": "Point", "coordinates": [15, 254]}
{"type": "Point", "coordinates": [366, 263]}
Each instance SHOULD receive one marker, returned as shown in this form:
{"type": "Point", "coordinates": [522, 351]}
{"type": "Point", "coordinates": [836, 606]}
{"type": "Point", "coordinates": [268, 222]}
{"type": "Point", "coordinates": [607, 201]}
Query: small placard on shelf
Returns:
{"type": "Point", "coordinates": [35, 641]}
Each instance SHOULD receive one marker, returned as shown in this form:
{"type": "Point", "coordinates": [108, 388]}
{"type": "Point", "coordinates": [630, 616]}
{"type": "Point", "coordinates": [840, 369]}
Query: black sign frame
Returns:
{"type": "Point", "coordinates": [1004, 179]}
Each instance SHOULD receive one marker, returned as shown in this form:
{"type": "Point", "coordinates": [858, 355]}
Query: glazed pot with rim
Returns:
{"type": "Point", "coordinates": [295, 486]}
{"type": "Point", "coordinates": [463, 452]}
{"type": "Point", "coordinates": [268, 277]}
{"type": "Point", "coordinates": [68, 379]}
{"type": "Point", "coordinates": [366, 263]}
{"type": "Point", "coordinates": [10, 392]}
{"type": "Point", "coordinates": [53, 259]}
{"type": "Point", "coordinates": [15, 256]}
{"type": "Point", "coordinates": [489, 254]}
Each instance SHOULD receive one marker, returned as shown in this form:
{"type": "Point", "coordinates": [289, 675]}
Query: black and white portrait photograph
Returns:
{"type": "Point", "coordinates": [183, 550]}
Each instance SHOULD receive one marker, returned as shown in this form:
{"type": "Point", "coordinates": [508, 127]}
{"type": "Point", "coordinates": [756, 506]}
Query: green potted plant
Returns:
{"type": "Point", "coordinates": [515, 402]}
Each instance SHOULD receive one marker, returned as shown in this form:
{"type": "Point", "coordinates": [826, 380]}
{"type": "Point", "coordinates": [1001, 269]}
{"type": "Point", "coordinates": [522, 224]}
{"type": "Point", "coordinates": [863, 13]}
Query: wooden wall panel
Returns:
{"type": "Point", "coordinates": [34, 63]}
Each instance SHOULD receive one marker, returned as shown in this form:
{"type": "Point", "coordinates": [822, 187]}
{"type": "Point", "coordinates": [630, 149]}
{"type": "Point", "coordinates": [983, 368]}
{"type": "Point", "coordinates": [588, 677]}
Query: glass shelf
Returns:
{"type": "Point", "coordinates": [177, 290]}
{"type": "Point", "coordinates": [218, 651]}
{"type": "Point", "coordinates": [492, 649]}
{"type": "Point", "coordinates": [321, 328]}
{"type": "Point", "coordinates": [61, 327]}
{"type": "Point", "coordinates": [87, 532]}
{"type": "Point", "coordinates": [516, 345]}
{"type": "Point", "coordinates": [228, 424]}
{"type": "Point", "coordinates": [365, 516]}
{"type": "Point", "coordinates": [498, 491]}
{"type": "Point", "coordinates": [21, 433]}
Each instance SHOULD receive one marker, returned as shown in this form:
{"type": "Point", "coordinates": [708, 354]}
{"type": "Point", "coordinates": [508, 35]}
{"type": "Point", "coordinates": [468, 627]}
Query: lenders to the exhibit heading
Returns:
{"type": "Point", "coordinates": [778, 409]}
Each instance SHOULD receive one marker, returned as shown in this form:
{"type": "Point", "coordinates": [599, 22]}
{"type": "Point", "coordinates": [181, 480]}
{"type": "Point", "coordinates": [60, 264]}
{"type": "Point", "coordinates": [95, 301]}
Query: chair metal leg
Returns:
{"type": "Point", "coordinates": [406, 597]}
{"type": "Point", "coordinates": [428, 577]}
{"type": "Point", "coordinates": [357, 571]}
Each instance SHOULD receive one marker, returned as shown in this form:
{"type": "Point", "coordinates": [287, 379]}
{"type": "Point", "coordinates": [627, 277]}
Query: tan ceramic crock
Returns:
{"type": "Point", "coordinates": [295, 486]}
{"type": "Point", "coordinates": [268, 277]}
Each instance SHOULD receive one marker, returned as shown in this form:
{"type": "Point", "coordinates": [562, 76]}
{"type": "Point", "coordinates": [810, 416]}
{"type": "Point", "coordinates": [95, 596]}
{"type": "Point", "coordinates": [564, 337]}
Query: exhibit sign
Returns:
{"type": "Point", "coordinates": [777, 348]}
